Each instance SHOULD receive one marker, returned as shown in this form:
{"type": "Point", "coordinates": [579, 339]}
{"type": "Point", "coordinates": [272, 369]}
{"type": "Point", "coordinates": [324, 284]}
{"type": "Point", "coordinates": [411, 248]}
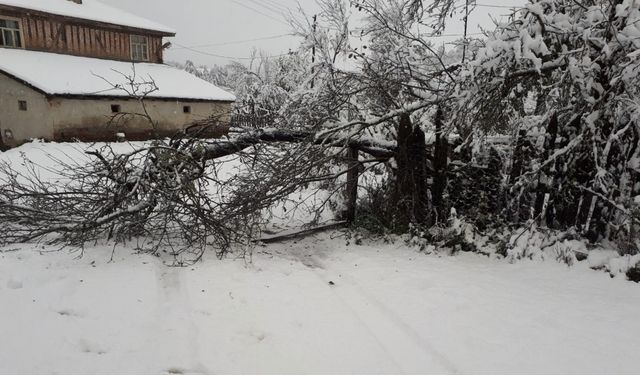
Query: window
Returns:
{"type": "Point", "coordinates": [139, 48]}
{"type": "Point", "coordinates": [115, 108]}
{"type": "Point", "coordinates": [186, 109]}
{"type": "Point", "coordinates": [22, 105]}
{"type": "Point", "coordinates": [10, 35]}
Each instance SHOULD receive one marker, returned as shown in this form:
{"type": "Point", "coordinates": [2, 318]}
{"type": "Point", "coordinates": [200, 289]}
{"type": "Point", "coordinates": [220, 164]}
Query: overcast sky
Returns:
{"type": "Point", "coordinates": [222, 27]}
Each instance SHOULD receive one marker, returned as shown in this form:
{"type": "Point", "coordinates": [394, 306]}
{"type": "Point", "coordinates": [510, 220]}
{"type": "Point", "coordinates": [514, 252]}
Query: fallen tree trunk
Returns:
{"type": "Point", "coordinates": [218, 149]}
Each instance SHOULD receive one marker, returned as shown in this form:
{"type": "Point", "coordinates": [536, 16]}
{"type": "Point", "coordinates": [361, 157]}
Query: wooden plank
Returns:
{"type": "Point", "coordinates": [151, 49]}
{"type": "Point", "coordinates": [39, 39]}
{"type": "Point", "coordinates": [112, 44]}
{"type": "Point", "coordinates": [126, 46]}
{"type": "Point", "coordinates": [71, 47]}
{"type": "Point", "coordinates": [118, 45]}
{"type": "Point", "coordinates": [291, 235]}
{"type": "Point", "coordinates": [99, 39]}
{"type": "Point", "coordinates": [30, 27]}
{"type": "Point", "coordinates": [53, 33]}
{"type": "Point", "coordinates": [48, 39]}
{"type": "Point", "coordinates": [157, 56]}
{"type": "Point", "coordinates": [91, 45]}
{"type": "Point", "coordinates": [87, 42]}
{"type": "Point", "coordinates": [77, 31]}
{"type": "Point", "coordinates": [97, 51]}
{"type": "Point", "coordinates": [75, 39]}
{"type": "Point", "coordinates": [82, 44]}
{"type": "Point", "coordinates": [107, 43]}
{"type": "Point", "coordinates": [69, 39]}
{"type": "Point", "coordinates": [57, 37]}
{"type": "Point", "coordinates": [36, 36]}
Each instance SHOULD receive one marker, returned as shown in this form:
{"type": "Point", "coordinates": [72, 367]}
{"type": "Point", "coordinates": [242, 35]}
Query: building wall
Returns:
{"type": "Point", "coordinates": [67, 119]}
{"type": "Point", "coordinates": [16, 125]}
{"type": "Point", "coordinates": [93, 120]}
{"type": "Point", "coordinates": [58, 34]}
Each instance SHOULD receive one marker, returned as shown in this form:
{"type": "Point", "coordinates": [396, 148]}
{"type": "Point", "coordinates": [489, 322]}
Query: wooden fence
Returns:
{"type": "Point", "coordinates": [250, 121]}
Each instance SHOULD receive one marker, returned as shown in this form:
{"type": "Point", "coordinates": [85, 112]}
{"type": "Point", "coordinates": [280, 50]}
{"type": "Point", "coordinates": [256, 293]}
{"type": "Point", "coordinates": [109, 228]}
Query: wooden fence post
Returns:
{"type": "Point", "coordinates": [546, 177]}
{"type": "Point", "coordinates": [440, 166]}
{"type": "Point", "coordinates": [351, 192]}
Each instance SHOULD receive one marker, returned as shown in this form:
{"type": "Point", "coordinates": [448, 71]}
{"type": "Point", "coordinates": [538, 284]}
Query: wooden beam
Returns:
{"type": "Point", "coordinates": [291, 235]}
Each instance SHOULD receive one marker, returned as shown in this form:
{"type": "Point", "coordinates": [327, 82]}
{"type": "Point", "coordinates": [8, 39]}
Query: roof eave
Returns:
{"type": "Point", "coordinates": [149, 98]}
{"type": "Point", "coordinates": [164, 33]}
{"type": "Point", "coordinates": [111, 97]}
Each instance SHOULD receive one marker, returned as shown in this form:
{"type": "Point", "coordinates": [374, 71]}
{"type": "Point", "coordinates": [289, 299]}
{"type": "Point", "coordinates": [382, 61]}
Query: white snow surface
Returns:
{"type": "Point", "coordinates": [390, 311]}
{"type": "Point", "coordinates": [312, 306]}
{"type": "Point", "coordinates": [91, 10]}
{"type": "Point", "coordinates": [58, 74]}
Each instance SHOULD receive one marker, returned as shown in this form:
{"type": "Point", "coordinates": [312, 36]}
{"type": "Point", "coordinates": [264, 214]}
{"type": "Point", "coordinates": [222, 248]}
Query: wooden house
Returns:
{"type": "Point", "coordinates": [79, 69]}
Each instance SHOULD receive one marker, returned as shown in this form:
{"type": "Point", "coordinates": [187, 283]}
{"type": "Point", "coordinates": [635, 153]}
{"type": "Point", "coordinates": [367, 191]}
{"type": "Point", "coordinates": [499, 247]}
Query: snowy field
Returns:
{"type": "Point", "coordinates": [314, 306]}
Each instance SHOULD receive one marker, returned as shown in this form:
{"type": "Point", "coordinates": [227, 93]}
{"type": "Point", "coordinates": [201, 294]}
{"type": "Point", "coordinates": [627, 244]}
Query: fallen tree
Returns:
{"type": "Point", "coordinates": [171, 195]}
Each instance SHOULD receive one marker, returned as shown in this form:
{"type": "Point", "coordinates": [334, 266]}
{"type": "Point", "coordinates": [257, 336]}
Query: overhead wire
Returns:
{"type": "Point", "coordinates": [283, 8]}
{"type": "Point", "coordinates": [224, 56]}
{"type": "Point", "coordinates": [239, 41]}
{"type": "Point", "coordinates": [259, 11]}
{"type": "Point", "coordinates": [267, 7]}
{"type": "Point", "coordinates": [480, 5]}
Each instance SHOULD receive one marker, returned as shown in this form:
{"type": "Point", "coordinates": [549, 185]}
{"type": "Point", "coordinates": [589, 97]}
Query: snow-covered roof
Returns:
{"type": "Point", "coordinates": [90, 10]}
{"type": "Point", "coordinates": [56, 74]}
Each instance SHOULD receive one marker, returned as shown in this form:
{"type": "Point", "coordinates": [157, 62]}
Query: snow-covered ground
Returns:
{"type": "Point", "coordinates": [312, 306]}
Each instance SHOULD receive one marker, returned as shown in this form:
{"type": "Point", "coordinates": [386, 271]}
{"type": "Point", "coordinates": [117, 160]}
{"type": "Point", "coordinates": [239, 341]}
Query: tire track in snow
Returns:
{"type": "Point", "coordinates": [177, 322]}
{"type": "Point", "coordinates": [409, 351]}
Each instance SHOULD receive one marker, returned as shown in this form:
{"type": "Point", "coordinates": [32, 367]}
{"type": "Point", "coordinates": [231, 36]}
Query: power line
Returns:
{"type": "Point", "coordinates": [238, 41]}
{"type": "Point", "coordinates": [270, 8]}
{"type": "Point", "coordinates": [259, 11]}
{"type": "Point", "coordinates": [283, 8]}
{"type": "Point", "coordinates": [223, 56]}
{"type": "Point", "coordinates": [498, 6]}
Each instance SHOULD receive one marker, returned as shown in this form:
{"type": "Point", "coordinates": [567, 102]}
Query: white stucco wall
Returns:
{"type": "Point", "coordinates": [94, 119]}
{"type": "Point", "coordinates": [35, 122]}
{"type": "Point", "coordinates": [63, 119]}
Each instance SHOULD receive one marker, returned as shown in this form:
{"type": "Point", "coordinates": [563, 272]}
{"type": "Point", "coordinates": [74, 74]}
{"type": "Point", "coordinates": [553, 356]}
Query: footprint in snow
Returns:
{"type": "Point", "coordinates": [70, 313]}
{"type": "Point", "coordinates": [183, 371]}
{"type": "Point", "coordinates": [90, 348]}
{"type": "Point", "coordinates": [13, 283]}
{"type": "Point", "coordinates": [259, 336]}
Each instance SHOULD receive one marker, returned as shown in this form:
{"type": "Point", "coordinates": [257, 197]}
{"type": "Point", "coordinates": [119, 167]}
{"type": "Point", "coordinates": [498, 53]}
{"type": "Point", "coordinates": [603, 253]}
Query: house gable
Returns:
{"type": "Point", "coordinates": [24, 112]}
